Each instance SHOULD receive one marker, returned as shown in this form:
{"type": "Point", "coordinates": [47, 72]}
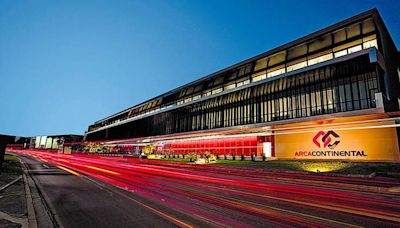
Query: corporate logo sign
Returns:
{"type": "Point", "coordinates": [329, 139]}
{"type": "Point", "coordinates": [325, 143]}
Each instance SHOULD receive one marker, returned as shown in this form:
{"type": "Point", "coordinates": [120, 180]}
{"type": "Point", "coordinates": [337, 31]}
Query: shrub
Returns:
{"type": "Point", "coordinates": [192, 157]}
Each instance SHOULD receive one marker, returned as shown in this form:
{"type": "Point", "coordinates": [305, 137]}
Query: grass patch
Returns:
{"type": "Point", "coordinates": [11, 158]}
{"type": "Point", "coordinates": [175, 159]}
{"type": "Point", "coordinates": [270, 165]}
{"type": "Point", "coordinates": [11, 164]}
{"type": "Point", "coordinates": [341, 167]}
{"type": "Point", "coordinates": [389, 169]}
{"type": "Point", "coordinates": [361, 168]}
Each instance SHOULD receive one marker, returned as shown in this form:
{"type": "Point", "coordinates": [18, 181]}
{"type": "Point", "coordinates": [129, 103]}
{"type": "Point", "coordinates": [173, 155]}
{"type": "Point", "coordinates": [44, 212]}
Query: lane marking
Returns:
{"type": "Point", "coordinates": [155, 211]}
{"type": "Point", "coordinates": [102, 170]}
{"type": "Point", "coordinates": [68, 170]}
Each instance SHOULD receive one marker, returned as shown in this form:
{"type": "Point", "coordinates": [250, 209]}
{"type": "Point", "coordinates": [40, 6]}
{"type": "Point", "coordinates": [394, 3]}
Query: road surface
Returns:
{"type": "Point", "coordinates": [97, 191]}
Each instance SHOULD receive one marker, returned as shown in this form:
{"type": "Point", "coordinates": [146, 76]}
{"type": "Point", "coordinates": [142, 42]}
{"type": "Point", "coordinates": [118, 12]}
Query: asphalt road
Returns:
{"type": "Point", "coordinates": [79, 201]}
{"type": "Point", "coordinates": [92, 191]}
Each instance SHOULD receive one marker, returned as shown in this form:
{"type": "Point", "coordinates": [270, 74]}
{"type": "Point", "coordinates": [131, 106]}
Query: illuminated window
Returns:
{"type": "Point", "coordinates": [296, 66]}
{"type": "Point", "coordinates": [188, 100]}
{"type": "Point", "coordinates": [340, 53]}
{"type": "Point", "coordinates": [319, 59]}
{"type": "Point", "coordinates": [368, 38]}
{"type": "Point", "coordinates": [242, 83]}
{"type": "Point", "coordinates": [347, 45]}
{"type": "Point", "coordinates": [276, 71]}
{"type": "Point", "coordinates": [196, 97]}
{"type": "Point", "coordinates": [354, 49]}
{"type": "Point", "coordinates": [179, 102]}
{"type": "Point", "coordinates": [370, 44]}
{"type": "Point", "coordinates": [261, 64]}
{"type": "Point", "coordinates": [231, 86]}
{"type": "Point", "coordinates": [217, 90]}
{"type": "Point", "coordinates": [259, 76]}
{"type": "Point", "coordinates": [207, 93]}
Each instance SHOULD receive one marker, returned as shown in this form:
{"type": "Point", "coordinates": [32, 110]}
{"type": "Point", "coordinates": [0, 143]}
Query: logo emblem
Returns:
{"type": "Point", "coordinates": [329, 139]}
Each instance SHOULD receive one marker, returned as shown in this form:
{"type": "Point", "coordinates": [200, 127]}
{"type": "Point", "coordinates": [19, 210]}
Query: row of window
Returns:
{"type": "Point", "coordinates": [336, 52]}
{"type": "Point", "coordinates": [339, 87]}
{"type": "Point", "coordinates": [263, 72]}
{"type": "Point", "coordinates": [302, 97]}
{"type": "Point", "coordinates": [365, 43]}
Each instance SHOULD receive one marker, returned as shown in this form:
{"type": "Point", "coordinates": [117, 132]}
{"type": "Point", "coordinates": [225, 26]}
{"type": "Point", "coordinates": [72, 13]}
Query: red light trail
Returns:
{"type": "Point", "coordinates": [241, 197]}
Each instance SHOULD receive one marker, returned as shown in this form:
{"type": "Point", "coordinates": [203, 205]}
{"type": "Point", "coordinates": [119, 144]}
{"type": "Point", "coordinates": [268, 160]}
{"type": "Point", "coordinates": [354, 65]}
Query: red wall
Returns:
{"type": "Point", "coordinates": [228, 146]}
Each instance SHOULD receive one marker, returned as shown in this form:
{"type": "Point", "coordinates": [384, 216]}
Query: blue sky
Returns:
{"type": "Point", "coordinates": [66, 64]}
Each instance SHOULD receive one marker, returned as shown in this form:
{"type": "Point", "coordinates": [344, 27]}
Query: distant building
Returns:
{"type": "Point", "coordinates": [333, 94]}
{"type": "Point", "coordinates": [53, 142]}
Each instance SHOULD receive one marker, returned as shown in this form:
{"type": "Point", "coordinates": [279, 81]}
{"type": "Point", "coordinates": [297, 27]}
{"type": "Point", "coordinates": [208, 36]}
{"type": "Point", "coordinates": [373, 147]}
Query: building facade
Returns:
{"type": "Point", "coordinates": [53, 142]}
{"type": "Point", "coordinates": [333, 94]}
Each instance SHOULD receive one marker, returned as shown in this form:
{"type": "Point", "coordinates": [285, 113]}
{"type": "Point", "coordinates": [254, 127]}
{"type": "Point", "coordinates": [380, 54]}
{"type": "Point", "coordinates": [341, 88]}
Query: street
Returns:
{"type": "Point", "coordinates": [100, 191]}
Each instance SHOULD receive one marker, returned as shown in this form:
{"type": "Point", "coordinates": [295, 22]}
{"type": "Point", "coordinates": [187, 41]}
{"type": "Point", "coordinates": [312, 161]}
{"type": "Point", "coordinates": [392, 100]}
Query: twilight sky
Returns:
{"type": "Point", "coordinates": [65, 64]}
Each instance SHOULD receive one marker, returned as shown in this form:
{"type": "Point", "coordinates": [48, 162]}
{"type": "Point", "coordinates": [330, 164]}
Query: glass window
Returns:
{"type": "Point", "coordinates": [196, 97]}
{"type": "Point", "coordinates": [339, 36]}
{"type": "Point", "coordinates": [277, 58]}
{"type": "Point", "coordinates": [368, 38]}
{"type": "Point", "coordinates": [259, 76]}
{"type": "Point", "coordinates": [353, 30]}
{"type": "Point", "coordinates": [216, 90]}
{"type": "Point", "coordinates": [276, 71]}
{"type": "Point", "coordinates": [370, 44]}
{"type": "Point", "coordinates": [347, 45]}
{"type": "Point", "coordinates": [340, 53]}
{"type": "Point", "coordinates": [354, 49]}
{"type": "Point", "coordinates": [245, 69]}
{"type": "Point", "coordinates": [296, 66]}
{"type": "Point", "coordinates": [206, 93]}
{"type": "Point", "coordinates": [245, 82]}
{"type": "Point", "coordinates": [218, 81]}
{"type": "Point", "coordinates": [198, 88]}
{"type": "Point", "coordinates": [189, 90]}
{"type": "Point", "coordinates": [261, 64]}
{"type": "Point", "coordinates": [188, 100]}
{"type": "Point", "coordinates": [319, 59]}
{"type": "Point", "coordinates": [297, 51]}
{"type": "Point", "coordinates": [368, 26]}
{"type": "Point", "coordinates": [232, 75]}
{"type": "Point", "coordinates": [230, 86]}
{"type": "Point", "coordinates": [320, 43]}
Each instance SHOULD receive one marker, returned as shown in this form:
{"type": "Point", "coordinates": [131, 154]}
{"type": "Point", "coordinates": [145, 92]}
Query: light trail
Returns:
{"type": "Point", "coordinates": [102, 170]}
{"type": "Point", "coordinates": [241, 197]}
{"type": "Point", "coordinates": [68, 170]}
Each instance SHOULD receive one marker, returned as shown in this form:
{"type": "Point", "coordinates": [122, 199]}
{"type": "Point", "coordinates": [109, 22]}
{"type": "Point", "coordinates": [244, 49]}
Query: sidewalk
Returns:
{"type": "Point", "coordinates": [20, 202]}
{"type": "Point", "coordinates": [13, 206]}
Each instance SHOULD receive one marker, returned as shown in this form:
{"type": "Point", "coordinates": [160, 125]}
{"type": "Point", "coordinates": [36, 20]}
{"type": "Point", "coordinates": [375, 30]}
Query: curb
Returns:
{"type": "Point", "coordinates": [32, 219]}
{"type": "Point", "coordinates": [32, 222]}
